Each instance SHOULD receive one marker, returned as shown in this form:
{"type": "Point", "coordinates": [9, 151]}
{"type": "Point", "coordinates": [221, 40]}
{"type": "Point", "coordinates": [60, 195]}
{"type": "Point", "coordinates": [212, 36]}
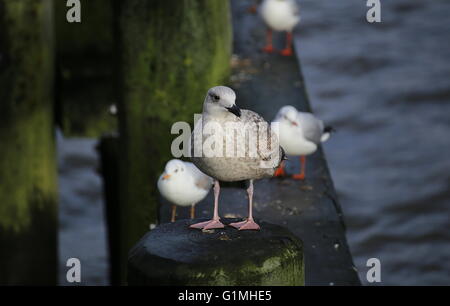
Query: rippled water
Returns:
{"type": "Point", "coordinates": [82, 227]}
{"type": "Point", "coordinates": [386, 89]}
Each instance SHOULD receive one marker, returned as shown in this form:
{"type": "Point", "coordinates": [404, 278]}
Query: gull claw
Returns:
{"type": "Point", "coordinates": [286, 52]}
{"type": "Point", "coordinates": [237, 224]}
{"type": "Point", "coordinates": [211, 224]}
{"type": "Point", "coordinates": [246, 225]}
{"type": "Point", "coordinates": [298, 176]}
{"type": "Point", "coordinates": [268, 49]}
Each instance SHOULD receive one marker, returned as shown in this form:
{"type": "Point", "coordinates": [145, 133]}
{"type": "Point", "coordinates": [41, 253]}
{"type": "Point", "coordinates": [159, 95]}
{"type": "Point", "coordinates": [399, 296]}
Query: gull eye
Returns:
{"type": "Point", "coordinates": [176, 170]}
{"type": "Point", "coordinates": [215, 97]}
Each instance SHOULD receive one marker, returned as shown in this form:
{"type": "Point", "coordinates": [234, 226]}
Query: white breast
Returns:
{"type": "Point", "coordinates": [279, 15]}
{"type": "Point", "coordinates": [293, 142]}
{"type": "Point", "coordinates": [181, 190]}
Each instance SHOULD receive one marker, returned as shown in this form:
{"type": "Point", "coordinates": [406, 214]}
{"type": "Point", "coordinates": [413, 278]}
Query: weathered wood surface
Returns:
{"type": "Point", "coordinates": [174, 254]}
{"type": "Point", "coordinates": [84, 58]}
{"type": "Point", "coordinates": [108, 149]}
{"type": "Point", "coordinates": [171, 52]}
{"type": "Point", "coordinates": [310, 208]}
{"type": "Point", "coordinates": [28, 205]}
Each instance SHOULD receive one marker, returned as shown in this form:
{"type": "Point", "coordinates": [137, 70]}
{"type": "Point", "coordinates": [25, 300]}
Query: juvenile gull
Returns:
{"type": "Point", "coordinates": [300, 134]}
{"type": "Point", "coordinates": [255, 152]}
{"type": "Point", "coordinates": [183, 184]}
{"type": "Point", "coordinates": [280, 15]}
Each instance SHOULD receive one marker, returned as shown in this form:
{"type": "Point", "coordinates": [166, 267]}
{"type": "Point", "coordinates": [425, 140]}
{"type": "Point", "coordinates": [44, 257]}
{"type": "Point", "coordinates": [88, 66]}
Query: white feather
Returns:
{"type": "Point", "coordinates": [280, 15]}
{"type": "Point", "coordinates": [182, 186]}
{"type": "Point", "coordinates": [300, 133]}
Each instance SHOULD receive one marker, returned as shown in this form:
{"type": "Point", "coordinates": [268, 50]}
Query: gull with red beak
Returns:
{"type": "Point", "coordinates": [300, 135]}
{"type": "Point", "coordinates": [183, 184]}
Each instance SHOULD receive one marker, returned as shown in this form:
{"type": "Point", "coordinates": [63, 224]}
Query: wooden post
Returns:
{"type": "Point", "coordinates": [174, 254]}
{"type": "Point", "coordinates": [109, 151]}
{"type": "Point", "coordinates": [171, 52]}
{"type": "Point", "coordinates": [28, 206]}
{"type": "Point", "coordinates": [84, 57]}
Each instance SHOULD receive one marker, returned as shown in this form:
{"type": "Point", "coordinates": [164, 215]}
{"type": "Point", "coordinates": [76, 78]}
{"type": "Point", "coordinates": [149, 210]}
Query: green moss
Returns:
{"type": "Point", "coordinates": [282, 269]}
{"type": "Point", "coordinates": [172, 52]}
{"type": "Point", "coordinates": [27, 150]}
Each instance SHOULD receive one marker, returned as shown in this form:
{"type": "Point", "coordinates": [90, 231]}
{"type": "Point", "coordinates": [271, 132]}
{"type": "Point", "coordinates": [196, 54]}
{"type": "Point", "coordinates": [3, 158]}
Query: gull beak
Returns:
{"type": "Point", "coordinates": [294, 123]}
{"type": "Point", "coordinates": [165, 177]}
{"type": "Point", "coordinates": [235, 110]}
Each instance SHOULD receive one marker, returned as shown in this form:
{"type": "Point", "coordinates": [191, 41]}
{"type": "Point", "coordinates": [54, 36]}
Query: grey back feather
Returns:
{"type": "Point", "coordinates": [311, 126]}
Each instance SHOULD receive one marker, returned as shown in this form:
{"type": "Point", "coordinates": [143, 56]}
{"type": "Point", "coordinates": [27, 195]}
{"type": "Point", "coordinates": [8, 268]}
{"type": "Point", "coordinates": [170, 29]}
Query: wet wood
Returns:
{"type": "Point", "coordinates": [84, 70]}
{"type": "Point", "coordinates": [174, 254]}
{"type": "Point", "coordinates": [171, 53]}
{"type": "Point", "coordinates": [109, 168]}
{"type": "Point", "coordinates": [28, 205]}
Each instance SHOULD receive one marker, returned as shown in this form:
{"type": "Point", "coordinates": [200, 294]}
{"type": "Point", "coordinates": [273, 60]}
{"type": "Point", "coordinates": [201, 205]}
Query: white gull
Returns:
{"type": "Point", "coordinates": [300, 134]}
{"type": "Point", "coordinates": [183, 184]}
{"type": "Point", "coordinates": [280, 15]}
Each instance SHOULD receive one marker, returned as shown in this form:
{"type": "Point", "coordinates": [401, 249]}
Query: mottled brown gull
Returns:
{"type": "Point", "coordinates": [230, 144]}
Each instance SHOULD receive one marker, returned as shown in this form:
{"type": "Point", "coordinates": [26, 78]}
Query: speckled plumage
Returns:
{"type": "Point", "coordinates": [241, 166]}
{"type": "Point", "coordinates": [230, 144]}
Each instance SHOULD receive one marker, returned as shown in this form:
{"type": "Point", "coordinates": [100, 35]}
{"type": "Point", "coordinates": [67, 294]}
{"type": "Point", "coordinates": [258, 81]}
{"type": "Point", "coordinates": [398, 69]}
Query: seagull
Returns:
{"type": "Point", "coordinates": [280, 15]}
{"type": "Point", "coordinates": [300, 134]}
{"type": "Point", "coordinates": [183, 184]}
{"type": "Point", "coordinates": [221, 111]}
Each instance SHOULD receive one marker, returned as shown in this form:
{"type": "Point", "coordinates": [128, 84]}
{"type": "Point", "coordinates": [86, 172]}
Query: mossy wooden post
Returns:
{"type": "Point", "coordinates": [171, 53]}
{"type": "Point", "coordinates": [174, 254]}
{"type": "Point", "coordinates": [28, 211]}
{"type": "Point", "coordinates": [84, 57]}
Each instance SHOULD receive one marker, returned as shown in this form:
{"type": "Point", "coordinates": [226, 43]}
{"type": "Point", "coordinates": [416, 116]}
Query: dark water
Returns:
{"type": "Point", "coordinates": [82, 226]}
{"type": "Point", "coordinates": [386, 89]}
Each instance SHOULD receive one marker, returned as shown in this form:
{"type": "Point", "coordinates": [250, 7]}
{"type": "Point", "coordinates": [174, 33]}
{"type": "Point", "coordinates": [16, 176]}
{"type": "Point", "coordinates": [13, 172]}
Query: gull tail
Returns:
{"type": "Point", "coordinates": [327, 133]}
{"type": "Point", "coordinates": [282, 157]}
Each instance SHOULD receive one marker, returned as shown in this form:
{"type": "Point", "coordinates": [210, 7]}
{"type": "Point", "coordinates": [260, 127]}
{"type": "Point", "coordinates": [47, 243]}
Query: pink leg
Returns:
{"type": "Point", "coordinates": [249, 224]}
{"type": "Point", "coordinates": [288, 50]}
{"type": "Point", "coordinates": [269, 47]}
{"type": "Point", "coordinates": [215, 222]}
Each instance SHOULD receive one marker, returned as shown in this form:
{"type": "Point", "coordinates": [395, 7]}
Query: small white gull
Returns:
{"type": "Point", "coordinates": [183, 184]}
{"type": "Point", "coordinates": [280, 15]}
{"type": "Point", "coordinates": [300, 134]}
{"type": "Point", "coordinates": [219, 109]}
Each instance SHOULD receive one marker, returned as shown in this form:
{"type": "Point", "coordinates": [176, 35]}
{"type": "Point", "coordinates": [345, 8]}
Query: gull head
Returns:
{"type": "Point", "coordinates": [288, 113]}
{"type": "Point", "coordinates": [173, 168]}
{"type": "Point", "coordinates": [221, 101]}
